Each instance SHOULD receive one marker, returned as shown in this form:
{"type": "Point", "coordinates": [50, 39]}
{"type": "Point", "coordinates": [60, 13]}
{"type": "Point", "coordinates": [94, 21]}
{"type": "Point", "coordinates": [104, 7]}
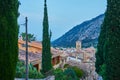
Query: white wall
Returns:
{"type": "Point", "coordinates": [73, 59]}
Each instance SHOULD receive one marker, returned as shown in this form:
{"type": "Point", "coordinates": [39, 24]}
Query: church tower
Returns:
{"type": "Point", "coordinates": [78, 45]}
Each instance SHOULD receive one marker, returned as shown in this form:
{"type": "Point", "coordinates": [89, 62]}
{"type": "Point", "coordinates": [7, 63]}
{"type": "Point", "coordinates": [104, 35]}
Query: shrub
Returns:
{"type": "Point", "coordinates": [66, 65]}
{"type": "Point", "coordinates": [59, 75]}
{"type": "Point", "coordinates": [70, 74]}
{"type": "Point", "coordinates": [33, 73]}
{"type": "Point", "coordinates": [78, 71]}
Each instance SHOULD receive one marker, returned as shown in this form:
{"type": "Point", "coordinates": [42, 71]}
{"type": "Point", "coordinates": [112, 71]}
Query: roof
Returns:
{"type": "Point", "coordinates": [31, 56]}
{"type": "Point", "coordinates": [33, 43]}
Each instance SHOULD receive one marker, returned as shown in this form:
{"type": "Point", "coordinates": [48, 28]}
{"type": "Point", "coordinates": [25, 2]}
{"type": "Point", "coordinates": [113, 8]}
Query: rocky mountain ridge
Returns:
{"type": "Point", "coordinates": [86, 32]}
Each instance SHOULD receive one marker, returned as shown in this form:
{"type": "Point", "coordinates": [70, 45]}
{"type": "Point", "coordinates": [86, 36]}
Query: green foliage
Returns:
{"type": "Point", "coordinates": [59, 75]}
{"type": "Point", "coordinates": [103, 71]}
{"type": "Point", "coordinates": [68, 74]}
{"type": "Point", "coordinates": [108, 56]}
{"type": "Point", "coordinates": [33, 73]}
{"type": "Point", "coordinates": [49, 73]}
{"type": "Point", "coordinates": [20, 69]}
{"type": "Point", "coordinates": [8, 38]}
{"type": "Point", "coordinates": [46, 51]}
{"type": "Point", "coordinates": [100, 48]}
{"type": "Point", "coordinates": [31, 37]}
{"type": "Point", "coordinates": [78, 71]}
{"type": "Point", "coordinates": [66, 65]}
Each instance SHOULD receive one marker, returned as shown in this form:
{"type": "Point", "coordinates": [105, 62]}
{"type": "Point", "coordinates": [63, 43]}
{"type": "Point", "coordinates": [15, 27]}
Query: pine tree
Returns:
{"type": "Point", "coordinates": [46, 52]}
{"type": "Point", "coordinates": [8, 38]}
{"type": "Point", "coordinates": [111, 45]}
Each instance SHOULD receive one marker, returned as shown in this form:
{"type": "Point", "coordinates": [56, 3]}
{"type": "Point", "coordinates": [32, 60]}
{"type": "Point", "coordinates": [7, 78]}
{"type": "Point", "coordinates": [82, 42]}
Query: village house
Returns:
{"type": "Point", "coordinates": [35, 54]}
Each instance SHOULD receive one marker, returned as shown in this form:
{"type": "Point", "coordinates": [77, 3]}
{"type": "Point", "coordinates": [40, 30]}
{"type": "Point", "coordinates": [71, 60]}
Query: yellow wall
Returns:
{"type": "Point", "coordinates": [32, 47]}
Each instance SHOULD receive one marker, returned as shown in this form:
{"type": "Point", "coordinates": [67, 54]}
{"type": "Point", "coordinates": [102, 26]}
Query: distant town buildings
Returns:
{"type": "Point", "coordinates": [35, 54]}
{"type": "Point", "coordinates": [83, 58]}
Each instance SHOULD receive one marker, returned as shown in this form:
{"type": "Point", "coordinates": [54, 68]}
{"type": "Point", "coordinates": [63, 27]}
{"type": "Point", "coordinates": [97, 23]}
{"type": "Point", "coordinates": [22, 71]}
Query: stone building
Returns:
{"type": "Point", "coordinates": [78, 45]}
{"type": "Point", "coordinates": [35, 54]}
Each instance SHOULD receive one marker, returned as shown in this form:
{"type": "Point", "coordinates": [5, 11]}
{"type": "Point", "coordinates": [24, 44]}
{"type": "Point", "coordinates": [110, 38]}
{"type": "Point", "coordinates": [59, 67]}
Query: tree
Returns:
{"type": "Point", "coordinates": [46, 52]}
{"type": "Point", "coordinates": [70, 74]}
{"type": "Point", "coordinates": [59, 74]}
{"type": "Point", "coordinates": [67, 74]}
{"type": "Point", "coordinates": [79, 72]}
{"type": "Point", "coordinates": [111, 45]}
{"type": "Point", "coordinates": [100, 48]}
{"type": "Point", "coordinates": [8, 38]}
{"type": "Point", "coordinates": [31, 37]}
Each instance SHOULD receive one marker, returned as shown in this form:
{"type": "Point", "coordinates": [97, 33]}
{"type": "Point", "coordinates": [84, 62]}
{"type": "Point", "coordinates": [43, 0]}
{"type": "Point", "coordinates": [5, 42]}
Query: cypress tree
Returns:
{"type": "Point", "coordinates": [111, 53]}
{"type": "Point", "coordinates": [46, 52]}
{"type": "Point", "coordinates": [112, 44]}
{"type": "Point", "coordinates": [8, 38]}
{"type": "Point", "coordinates": [100, 47]}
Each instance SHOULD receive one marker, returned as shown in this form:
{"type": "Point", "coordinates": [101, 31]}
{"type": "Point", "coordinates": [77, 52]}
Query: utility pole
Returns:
{"type": "Point", "coordinates": [26, 22]}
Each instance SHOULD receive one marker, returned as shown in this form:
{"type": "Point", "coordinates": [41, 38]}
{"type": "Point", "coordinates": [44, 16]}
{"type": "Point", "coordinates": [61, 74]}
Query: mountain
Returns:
{"type": "Point", "coordinates": [86, 32]}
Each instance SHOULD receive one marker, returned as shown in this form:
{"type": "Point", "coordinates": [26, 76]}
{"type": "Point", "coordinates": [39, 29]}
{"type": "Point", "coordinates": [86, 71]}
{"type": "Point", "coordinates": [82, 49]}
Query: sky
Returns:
{"type": "Point", "coordinates": [63, 14]}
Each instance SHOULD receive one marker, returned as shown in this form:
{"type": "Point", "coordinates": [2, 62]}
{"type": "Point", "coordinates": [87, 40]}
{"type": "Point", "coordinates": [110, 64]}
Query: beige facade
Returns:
{"type": "Point", "coordinates": [35, 54]}
{"type": "Point", "coordinates": [34, 47]}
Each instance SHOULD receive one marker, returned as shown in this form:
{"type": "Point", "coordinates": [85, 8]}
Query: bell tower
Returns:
{"type": "Point", "coordinates": [78, 45]}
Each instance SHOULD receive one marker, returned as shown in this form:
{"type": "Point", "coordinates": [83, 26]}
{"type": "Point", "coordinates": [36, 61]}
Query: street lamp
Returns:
{"type": "Point", "coordinates": [26, 46]}
{"type": "Point", "coordinates": [26, 30]}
